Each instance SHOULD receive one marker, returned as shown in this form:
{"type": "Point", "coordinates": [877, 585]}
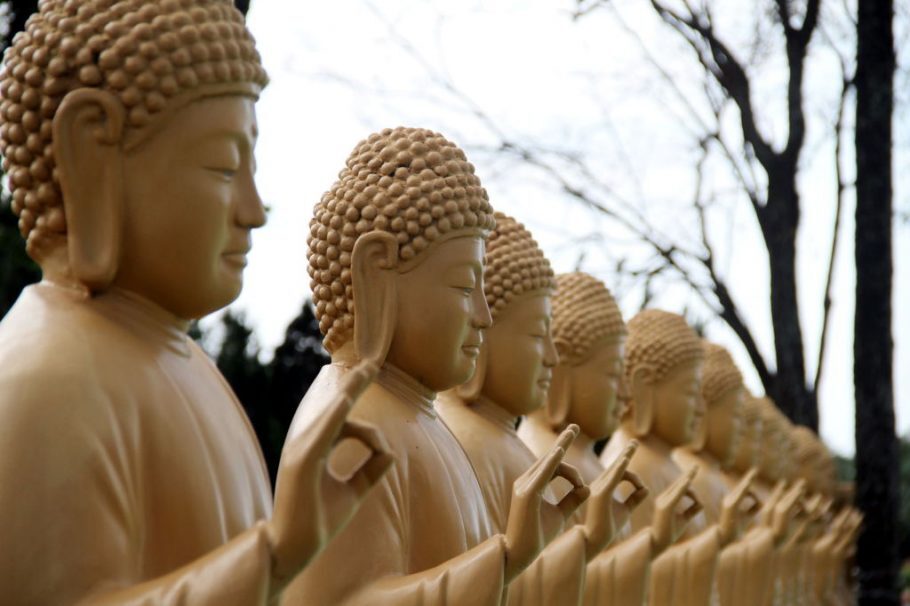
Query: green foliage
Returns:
{"type": "Point", "coordinates": [270, 392]}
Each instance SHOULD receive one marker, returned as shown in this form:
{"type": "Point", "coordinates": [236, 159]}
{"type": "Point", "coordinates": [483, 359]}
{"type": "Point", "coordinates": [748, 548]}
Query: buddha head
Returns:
{"type": "Point", "coordinates": [590, 335]}
{"type": "Point", "coordinates": [663, 371]}
{"type": "Point", "coordinates": [127, 129]}
{"type": "Point", "coordinates": [722, 393]}
{"type": "Point", "coordinates": [396, 251]}
{"type": "Point", "coordinates": [813, 461]}
{"type": "Point", "coordinates": [774, 442]}
{"type": "Point", "coordinates": [518, 354]}
{"type": "Point", "coordinates": [748, 454]}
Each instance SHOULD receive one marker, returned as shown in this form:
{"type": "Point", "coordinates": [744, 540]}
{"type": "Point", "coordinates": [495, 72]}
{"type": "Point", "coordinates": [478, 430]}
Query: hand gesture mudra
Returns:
{"type": "Point", "coordinates": [533, 521]}
{"type": "Point", "coordinates": [669, 521]}
{"type": "Point", "coordinates": [605, 514]}
{"type": "Point", "coordinates": [739, 505]}
{"type": "Point", "coordinates": [786, 511]}
{"type": "Point", "coordinates": [311, 503]}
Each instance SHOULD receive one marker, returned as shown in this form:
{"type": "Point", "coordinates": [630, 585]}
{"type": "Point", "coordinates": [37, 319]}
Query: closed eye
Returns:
{"type": "Point", "coordinates": [226, 173]}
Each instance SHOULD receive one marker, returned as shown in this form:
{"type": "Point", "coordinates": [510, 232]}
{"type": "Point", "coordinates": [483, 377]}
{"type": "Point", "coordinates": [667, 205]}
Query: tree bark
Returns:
{"type": "Point", "coordinates": [876, 443]}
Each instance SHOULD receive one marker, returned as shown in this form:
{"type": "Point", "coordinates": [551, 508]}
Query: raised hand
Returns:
{"type": "Point", "coordinates": [732, 512]}
{"type": "Point", "coordinates": [605, 515]}
{"type": "Point", "coordinates": [786, 511]}
{"type": "Point", "coordinates": [669, 522]}
{"type": "Point", "coordinates": [311, 504]}
{"type": "Point", "coordinates": [531, 517]}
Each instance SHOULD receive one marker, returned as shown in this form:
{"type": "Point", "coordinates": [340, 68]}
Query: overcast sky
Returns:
{"type": "Point", "coordinates": [338, 73]}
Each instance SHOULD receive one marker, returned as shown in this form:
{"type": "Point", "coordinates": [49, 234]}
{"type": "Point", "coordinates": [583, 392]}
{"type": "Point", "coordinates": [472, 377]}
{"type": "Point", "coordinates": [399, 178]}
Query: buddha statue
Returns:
{"type": "Point", "coordinates": [396, 252]}
{"type": "Point", "coordinates": [748, 452]}
{"type": "Point", "coordinates": [589, 334]}
{"type": "Point", "coordinates": [745, 567]}
{"type": "Point", "coordinates": [127, 130]}
{"type": "Point", "coordinates": [663, 370]}
{"type": "Point", "coordinates": [513, 378]}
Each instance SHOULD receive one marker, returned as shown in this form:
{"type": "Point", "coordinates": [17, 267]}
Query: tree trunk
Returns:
{"type": "Point", "coordinates": [779, 222]}
{"type": "Point", "coordinates": [876, 443]}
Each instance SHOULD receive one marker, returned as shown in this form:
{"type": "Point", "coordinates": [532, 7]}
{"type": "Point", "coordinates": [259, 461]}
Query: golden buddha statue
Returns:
{"type": "Point", "coordinates": [396, 253]}
{"type": "Point", "coordinates": [748, 452]}
{"type": "Point", "coordinates": [127, 130]}
{"type": "Point", "coordinates": [513, 378]}
{"type": "Point", "coordinates": [663, 370]}
{"type": "Point", "coordinates": [589, 334]}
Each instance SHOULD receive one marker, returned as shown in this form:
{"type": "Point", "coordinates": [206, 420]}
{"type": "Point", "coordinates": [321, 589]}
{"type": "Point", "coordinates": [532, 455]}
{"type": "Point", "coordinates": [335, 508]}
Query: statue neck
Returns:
{"type": "Point", "coordinates": [494, 413]}
{"type": "Point", "coordinates": [407, 388]}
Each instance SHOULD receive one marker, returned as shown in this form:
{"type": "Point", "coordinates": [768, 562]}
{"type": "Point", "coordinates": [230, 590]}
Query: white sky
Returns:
{"type": "Point", "coordinates": [338, 76]}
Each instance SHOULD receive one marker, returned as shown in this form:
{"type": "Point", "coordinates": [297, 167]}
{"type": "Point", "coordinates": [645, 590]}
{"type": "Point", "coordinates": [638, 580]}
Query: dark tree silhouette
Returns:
{"type": "Point", "coordinates": [876, 444]}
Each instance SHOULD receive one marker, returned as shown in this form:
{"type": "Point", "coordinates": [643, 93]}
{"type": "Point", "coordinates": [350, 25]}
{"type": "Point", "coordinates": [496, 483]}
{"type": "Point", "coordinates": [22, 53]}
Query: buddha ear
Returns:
{"type": "Point", "coordinates": [471, 390]}
{"type": "Point", "coordinates": [642, 392]}
{"type": "Point", "coordinates": [373, 266]}
{"type": "Point", "coordinates": [88, 129]}
{"type": "Point", "coordinates": [559, 400]}
{"type": "Point", "coordinates": [700, 435]}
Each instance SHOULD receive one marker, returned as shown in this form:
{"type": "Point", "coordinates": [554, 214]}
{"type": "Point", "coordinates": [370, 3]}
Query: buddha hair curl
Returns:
{"type": "Point", "coordinates": [585, 315]}
{"type": "Point", "coordinates": [152, 56]}
{"type": "Point", "coordinates": [410, 182]}
{"type": "Point", "coordinates": [662, 341]}
{"type": "Point", "coordinates": [514, 264]}
{"type": "Point", "coordinates": [720, 374]}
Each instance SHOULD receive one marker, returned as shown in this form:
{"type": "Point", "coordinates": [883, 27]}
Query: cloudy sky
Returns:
{"type": "Point", "coordinates": [341, 70]}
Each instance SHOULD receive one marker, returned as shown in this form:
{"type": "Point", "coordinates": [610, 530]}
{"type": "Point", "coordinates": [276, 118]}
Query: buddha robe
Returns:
{"type": "Point", "coordinates": [619, 574]}
{"type": "Point", "coordinates": [499, 457]}
{"type": "Point", "coordinates": [683, 575]}
{"type": "Point", "coordinates": [744, 570]}
{"type": "Point", "coordinates": [130, 473]}
{"type": "Point", "coordinates": [423, 535]}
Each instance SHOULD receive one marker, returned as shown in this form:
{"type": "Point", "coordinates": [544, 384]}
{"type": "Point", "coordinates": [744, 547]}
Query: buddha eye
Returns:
{"type": "Point", "coordinates": [223, 172]}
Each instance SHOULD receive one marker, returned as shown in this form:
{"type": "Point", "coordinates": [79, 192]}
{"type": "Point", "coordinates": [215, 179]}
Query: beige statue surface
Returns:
{"type": "Point", "coordinates": [745, 569]}
{"type": "Point", "coordinates": [663, 370]}
{"type": "Point", "coordinates": [131, 474]}
{"type": "Point", "coordinates": [589, 334]}
{"type": "Point", "coordinates": [396, 253]}
{"type": "Point", "coordinates": [513, 378]}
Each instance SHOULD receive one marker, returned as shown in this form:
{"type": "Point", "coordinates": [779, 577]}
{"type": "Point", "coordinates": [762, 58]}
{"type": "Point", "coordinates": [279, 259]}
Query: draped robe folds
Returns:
{"type": "Point", "coordinates": [618, 575]}
{"type": "Point", "coordinates": [423, 535]}
{"type": "Point", "coordinates": [499, 457]}
{"type": "Point", "coordinates": [744, 569]}
{"type": "Point", "coordinates": [683, 575]}
{"type": "Point", "coordinates": [129, 472]}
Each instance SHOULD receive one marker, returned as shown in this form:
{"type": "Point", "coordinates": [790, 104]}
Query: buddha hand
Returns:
{"type": "Point", "coordinates": [739, 505]}
{"type": "Point", "coordinates": [669, 522]}
{"type": "Point", "coordinates": [311, 504]}
{"type": "Point", "coordinates": [606, 515]}
{"type": "Point", "coordinates": [533, 521]}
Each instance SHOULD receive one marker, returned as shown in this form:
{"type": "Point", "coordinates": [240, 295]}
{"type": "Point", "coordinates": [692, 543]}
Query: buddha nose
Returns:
{"type": "Point", "coordinates": [251, 212]}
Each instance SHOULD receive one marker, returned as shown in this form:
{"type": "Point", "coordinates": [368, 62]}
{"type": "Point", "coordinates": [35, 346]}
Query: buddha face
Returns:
{"type": "Point", "coordinates": [675, 401]}
{"type": "Point", "coordinates": [594, 386]}
{"type": "Point", "coordinates": [190, 203]}
{"type": "Point", "coordinates": [442, 314]}
{"type": "Point", "coordinates": [747, 454]}
{"type": "Point", "coordinates": [521, 355]}
{"type": "Point", "coordinates": [723, 424]}
{"type": "Point", "coordinates": [771, 444]}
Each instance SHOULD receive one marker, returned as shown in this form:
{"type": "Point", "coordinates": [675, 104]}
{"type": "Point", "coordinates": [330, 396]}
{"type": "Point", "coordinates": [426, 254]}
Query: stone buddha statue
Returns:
{"type": "Point", "coordinates": [745, 568]}
{"type": "Point", "coordinates": [513, 378]}
{"type": "Point", "coordinates": [396, 257]}
{"type": "Point", "coordinates": [748, 452]}
{"type": "Point", "coordinates": [589, 334]}
{"type": "Point", "coordinates": [131, 473]}
{"type": "Point", "coordinates": [663, 370]}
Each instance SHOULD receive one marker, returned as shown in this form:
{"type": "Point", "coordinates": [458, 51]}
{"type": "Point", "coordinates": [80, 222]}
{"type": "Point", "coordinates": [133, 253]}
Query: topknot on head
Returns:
{"type": "Point", "coordinates": [144, 53]}
{"type": "Point", "coordinates": [662, 341]}
{"type": "Point", "coordinates": [514, 264]}
{"type": "Point", "coordinates": [585, 314]}
{"type": "Point", "coordinates": [720, 374]}
{"type": "Point", "coordinates": [410, 182]}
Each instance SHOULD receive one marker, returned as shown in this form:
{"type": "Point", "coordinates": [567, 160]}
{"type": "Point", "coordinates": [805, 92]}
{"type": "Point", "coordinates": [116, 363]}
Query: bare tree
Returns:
{"type": "Point", "coordinates": [876, 444]}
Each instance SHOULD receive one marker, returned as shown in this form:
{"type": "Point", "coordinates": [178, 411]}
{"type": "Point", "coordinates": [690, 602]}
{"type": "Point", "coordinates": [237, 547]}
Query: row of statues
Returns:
{"type": "Point", "coordinates": [446, 455]}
